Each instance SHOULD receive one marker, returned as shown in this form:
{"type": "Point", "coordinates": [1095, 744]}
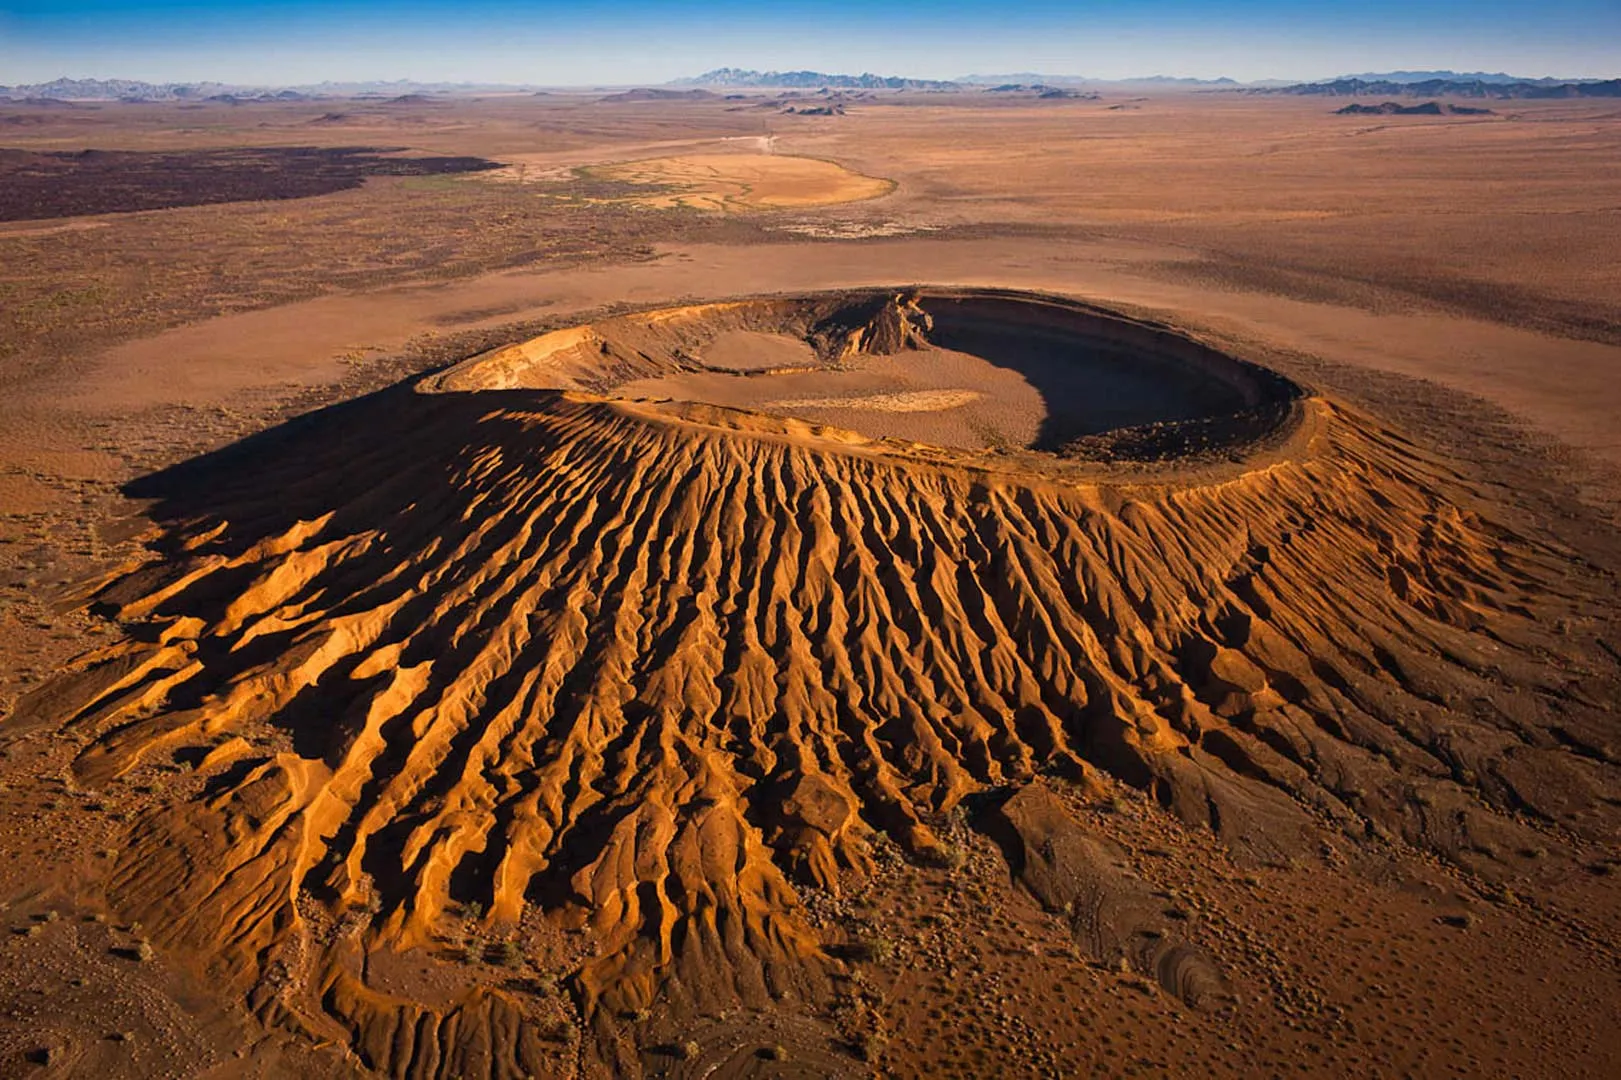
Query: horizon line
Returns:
{"type": "Point", "coordinates": [971, 79]}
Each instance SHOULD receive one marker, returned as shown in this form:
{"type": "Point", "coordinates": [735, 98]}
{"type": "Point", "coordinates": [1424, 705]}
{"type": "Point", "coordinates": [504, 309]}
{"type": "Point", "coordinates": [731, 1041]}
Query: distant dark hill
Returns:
{"type": "Point", "coordinates": [1466, 88]}
{"type": "Point", "coordinates": [1429, 108]}
{"type": "Point", "coordinates": [644, 93]}
{"type": "Point", "coordinates": [1042, 90]}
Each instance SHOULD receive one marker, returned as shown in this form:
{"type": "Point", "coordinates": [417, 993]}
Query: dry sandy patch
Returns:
{"type": "Point", "coordinates": [735, 182]}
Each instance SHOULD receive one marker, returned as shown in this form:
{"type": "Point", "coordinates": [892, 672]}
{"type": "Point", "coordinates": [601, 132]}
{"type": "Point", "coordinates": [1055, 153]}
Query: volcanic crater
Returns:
{"type": "Point", "coordinates": [967, 369]}
{"type": "Point", "coordinates": [676, 627]}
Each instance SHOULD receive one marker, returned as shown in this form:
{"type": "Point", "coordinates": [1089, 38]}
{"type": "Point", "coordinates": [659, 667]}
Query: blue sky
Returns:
{"type": "Point", "coordinates": [546, 42]}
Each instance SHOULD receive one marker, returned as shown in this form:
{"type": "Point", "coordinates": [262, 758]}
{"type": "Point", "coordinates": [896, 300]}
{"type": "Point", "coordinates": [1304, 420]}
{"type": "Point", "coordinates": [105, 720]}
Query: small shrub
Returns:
{"type": "Point", "coordinates": [874, 949]}
{"type": "Point", "coordinates": [867, 1046]}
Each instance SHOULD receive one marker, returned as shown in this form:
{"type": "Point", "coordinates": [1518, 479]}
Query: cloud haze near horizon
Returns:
{"type": "Point", "coordinates": [648, 41]}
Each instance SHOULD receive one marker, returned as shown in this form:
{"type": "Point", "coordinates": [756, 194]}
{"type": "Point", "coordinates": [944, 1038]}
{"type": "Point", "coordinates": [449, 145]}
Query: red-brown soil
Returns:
{"type": "Point", "coordinates": [1176, 637]}
{"type": "Point", "coordinates": [451, 672]}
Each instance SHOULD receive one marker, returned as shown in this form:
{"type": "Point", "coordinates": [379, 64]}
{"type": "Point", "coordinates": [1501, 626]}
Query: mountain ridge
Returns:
{"type": "Point", "coordinates": [802, 80]}
{"type": "Point", "coordinates": [1450, 88]}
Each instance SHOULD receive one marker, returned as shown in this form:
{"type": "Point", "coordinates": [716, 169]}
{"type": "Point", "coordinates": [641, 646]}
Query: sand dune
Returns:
{"type": "Point", "coordinates": [521, 647]}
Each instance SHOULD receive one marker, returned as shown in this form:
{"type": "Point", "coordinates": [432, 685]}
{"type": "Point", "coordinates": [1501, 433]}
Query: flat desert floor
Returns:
{"type": "Point", "coordinates": [742, 657]}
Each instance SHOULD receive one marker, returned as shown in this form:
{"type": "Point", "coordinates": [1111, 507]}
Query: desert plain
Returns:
{"type": "Point", "coordinates": [941, 585]}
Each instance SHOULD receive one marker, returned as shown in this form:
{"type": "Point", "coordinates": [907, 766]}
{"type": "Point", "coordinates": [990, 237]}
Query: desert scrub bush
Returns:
{"type": "Point", "coordinates": [867, 1045]}
{"type": "Point", "coordinates": [505, 953]}
{"type": "Point", "coordinates": [946, 856]}
{"type": "Point", "coordinates": [873, 948]}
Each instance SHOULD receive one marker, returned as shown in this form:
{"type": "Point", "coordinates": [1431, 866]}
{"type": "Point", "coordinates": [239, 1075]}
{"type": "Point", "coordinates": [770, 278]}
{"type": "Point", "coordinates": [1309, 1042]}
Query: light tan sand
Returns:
{"type": "Point", "coordinates": [939, 397]}
{"type": "Point", "coordinates": [754, 350]}
{"type": "Point", "coordinates": [904, 401]}
{"type": "Point", "coordinates": [739, 182]}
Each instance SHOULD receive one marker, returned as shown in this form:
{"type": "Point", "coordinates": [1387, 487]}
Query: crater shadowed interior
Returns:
{"type": "Point", "coordinates": [973, 369]}
{"type": "Point", "coordinates": [1095, 374]}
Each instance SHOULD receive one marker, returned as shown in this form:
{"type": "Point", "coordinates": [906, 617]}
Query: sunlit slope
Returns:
{"type": "Point", "coordinates": [656, 671]}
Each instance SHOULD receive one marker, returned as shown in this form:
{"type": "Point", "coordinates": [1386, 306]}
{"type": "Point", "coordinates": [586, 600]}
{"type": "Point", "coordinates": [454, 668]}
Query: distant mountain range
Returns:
{"type": "Point", "coordinates": [1428, 83]}
{"type": "Point", "coordinates": [811, 80]}
{"type": "Point", "coordinates": [1452, 76]}
{"type": "Point", "coordinates": [1166, 81]}
{"type": "Point", "coordinates": [1388, 84]}
{"type": "Point", "coordinates": [117, 90]}
{"type": "Point", "coordinates": [136, 90]}
{"type": "Point", "coordinates": [1465, 87]}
